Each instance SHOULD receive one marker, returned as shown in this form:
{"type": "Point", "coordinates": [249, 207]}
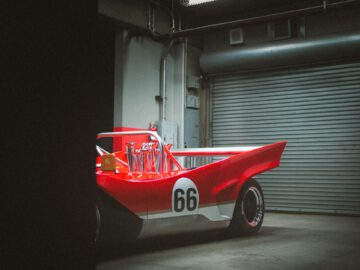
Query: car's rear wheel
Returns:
{"type": "Point", "coordinates": [99, 231]}
{"type": "Point", "coordinates": [249, 209]}
{"type": "Point", "coordinates": [114, 222]}
{"type": "Point", "coordinates": [98, 223]}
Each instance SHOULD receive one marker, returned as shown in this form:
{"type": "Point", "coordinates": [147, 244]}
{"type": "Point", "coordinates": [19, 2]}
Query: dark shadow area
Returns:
{"type": "Point", "coordinates": [111, 251]}
{"type": "Point", "coordinates": [294, 243]}
{"type": "Point", "coordinates": [272, 230]}
{"type": "Point", "coordinates": [58, 87]}
{"type": "Point", "coordinates": [122, 250]}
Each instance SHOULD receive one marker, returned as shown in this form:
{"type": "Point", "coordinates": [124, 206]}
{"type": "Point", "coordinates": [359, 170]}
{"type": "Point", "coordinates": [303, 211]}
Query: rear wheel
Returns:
{"type": "Point", "coordinates": [99, 232]}
{"type": "Point", "coordinates": [249, 210]}
{"type": "Point", "coordinates": [98, 223]}
{"type": "Point", "coordinates": [114, 222]}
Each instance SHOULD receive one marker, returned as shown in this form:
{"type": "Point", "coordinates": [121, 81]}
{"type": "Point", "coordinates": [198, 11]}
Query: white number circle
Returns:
{"type": "Point", "coordinates": [185, 197]}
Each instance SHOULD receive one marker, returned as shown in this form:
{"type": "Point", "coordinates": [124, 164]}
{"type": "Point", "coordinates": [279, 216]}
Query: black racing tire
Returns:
{"type": "Point", "coordinates": [114, 222]}
{"type": "Point", "coordinates": [249, 210]}
{"type": "Point", "coordinates": [99, 231]}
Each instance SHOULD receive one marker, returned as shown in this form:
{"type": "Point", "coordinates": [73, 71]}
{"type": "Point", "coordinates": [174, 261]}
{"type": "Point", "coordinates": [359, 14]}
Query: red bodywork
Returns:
{"type": "Point", "coordinates": [217, 183]}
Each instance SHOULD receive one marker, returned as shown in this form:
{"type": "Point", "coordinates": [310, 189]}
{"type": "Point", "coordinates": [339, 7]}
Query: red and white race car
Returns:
{"type": "Point", "coordinates": [144, 191]}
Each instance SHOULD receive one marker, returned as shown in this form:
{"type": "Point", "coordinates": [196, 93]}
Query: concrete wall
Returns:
{"type": "Point", "coordinates": [176, 89]}
{"type": "Point", "coordinates": [137, 82]}
{"type": "Point", "coordinates": [137, 70]}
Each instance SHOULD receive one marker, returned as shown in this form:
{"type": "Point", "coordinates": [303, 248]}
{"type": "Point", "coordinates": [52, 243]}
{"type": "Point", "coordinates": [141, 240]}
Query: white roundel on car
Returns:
{"type": "Point", "coordinates": [185, 197]}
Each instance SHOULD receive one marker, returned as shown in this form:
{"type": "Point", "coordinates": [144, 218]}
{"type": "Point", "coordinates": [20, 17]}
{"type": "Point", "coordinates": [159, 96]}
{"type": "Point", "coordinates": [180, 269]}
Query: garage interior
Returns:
{"type": "Point", "coordinates": [251, 73]}
{"type": "Point", "coordinates": [213, 74]}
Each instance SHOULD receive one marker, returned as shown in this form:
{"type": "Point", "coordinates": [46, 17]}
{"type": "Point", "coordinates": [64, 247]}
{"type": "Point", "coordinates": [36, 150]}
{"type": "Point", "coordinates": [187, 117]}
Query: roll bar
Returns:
{"type": "Point", "coordinates": [142, 132]}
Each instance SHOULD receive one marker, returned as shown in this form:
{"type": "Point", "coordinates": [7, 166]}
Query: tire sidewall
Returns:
{"type": "Point", "coordinates": [239, 224]}
{"type": "Point", "coordinates": [98, 239]}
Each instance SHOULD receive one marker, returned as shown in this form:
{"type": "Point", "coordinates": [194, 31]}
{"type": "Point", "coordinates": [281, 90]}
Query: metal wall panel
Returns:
{"type": "Point", "coordinates": [317, 110]}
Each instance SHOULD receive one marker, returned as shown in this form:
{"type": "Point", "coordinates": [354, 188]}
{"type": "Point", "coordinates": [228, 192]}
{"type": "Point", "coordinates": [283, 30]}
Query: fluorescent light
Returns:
{"type": "Point", "coordinates": [194, 2]}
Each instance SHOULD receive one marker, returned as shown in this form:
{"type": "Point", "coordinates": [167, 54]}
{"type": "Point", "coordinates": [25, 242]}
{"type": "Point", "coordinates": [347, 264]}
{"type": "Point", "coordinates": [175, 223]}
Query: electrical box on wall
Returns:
{"type": "Point", "coordinates": [168, 131]}
{"type": "Point", "coordinates": [192, 102]}
{"type": "Point", "coordinates": [192, 129]}
{"type": "Point", "coordinates": [192, 82]}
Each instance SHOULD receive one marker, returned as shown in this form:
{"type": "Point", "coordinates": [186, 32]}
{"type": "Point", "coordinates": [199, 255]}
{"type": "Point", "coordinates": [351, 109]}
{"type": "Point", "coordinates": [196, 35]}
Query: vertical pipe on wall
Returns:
{"type": "Point", "coordinates": [179, 25]}
{"type": "Point", "coordinates": [163, 81]}
{"type": "Point", "coordinates": [173, 25]}
{"type": "Point", "coordinates": [149, 26]}
{"type": "Point", "coordinates": [185, 73]}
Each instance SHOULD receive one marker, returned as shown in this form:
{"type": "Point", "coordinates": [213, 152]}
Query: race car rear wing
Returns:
{"type": "Point", "coordinates": [214, 151]}
{"type": "Point", "coordinates": [195, 157]}
{"type": "Point", "coordinates": [163, 159]}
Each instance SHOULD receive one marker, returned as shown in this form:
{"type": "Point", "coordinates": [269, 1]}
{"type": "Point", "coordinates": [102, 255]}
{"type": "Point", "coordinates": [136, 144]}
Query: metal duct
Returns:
{"type": "Point", "coordinates": [285, 53]}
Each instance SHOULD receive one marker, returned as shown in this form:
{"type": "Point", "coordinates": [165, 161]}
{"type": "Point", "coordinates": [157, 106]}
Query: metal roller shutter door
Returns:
{"type": "Point", "coordinates": [317, 110]}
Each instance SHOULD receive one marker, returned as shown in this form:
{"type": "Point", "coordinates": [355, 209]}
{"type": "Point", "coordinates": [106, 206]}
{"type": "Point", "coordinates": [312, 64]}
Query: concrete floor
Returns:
{"type": "Point", "coordinates": [286, 241]}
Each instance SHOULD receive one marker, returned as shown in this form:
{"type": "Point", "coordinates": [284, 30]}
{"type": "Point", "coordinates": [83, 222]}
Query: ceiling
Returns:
{"type": "Point", "coordinates": [224, 10]}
